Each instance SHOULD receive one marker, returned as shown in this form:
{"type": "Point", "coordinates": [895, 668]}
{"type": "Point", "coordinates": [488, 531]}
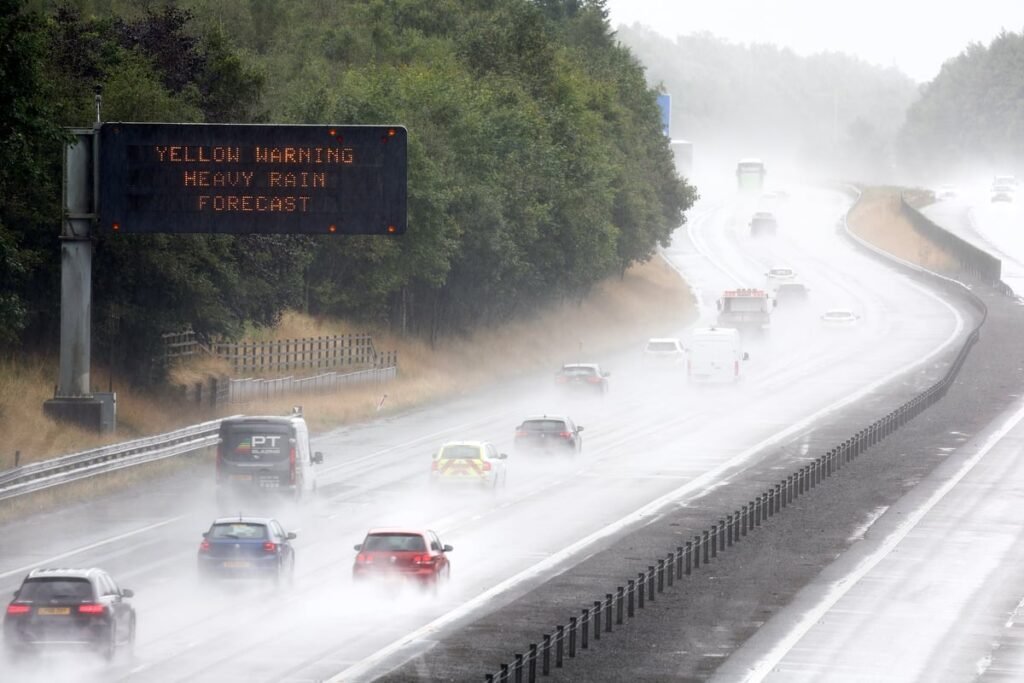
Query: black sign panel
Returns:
{"type": "Point", "coordinates": [214, 178]}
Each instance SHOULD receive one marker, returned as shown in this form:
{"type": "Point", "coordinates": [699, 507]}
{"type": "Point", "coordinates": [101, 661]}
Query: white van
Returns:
{"type": "Point", "coordinates": [714, 354]}
{"type": "Point", "coordinates": [265, 455]}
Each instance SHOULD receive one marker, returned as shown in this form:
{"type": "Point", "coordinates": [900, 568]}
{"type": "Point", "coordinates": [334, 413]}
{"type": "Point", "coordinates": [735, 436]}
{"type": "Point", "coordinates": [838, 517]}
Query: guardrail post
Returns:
{"type": "Point", "coordinates": [707, 536]}
{"type": "Point", "coordinates": [767, 504]}
{"type": "Point", "coordinates": [17, 458]}
{"type": "Point", "coordinates": [728, 533]}
{"type": "Point", "coordinates": [503, 677]}
{"type": "Point", "coordinates": [531, 670]}
{"type": "Point", "coordinates": [519, 668]}
{"type": "Point", "coordinates": [631, 594]}
{"type": "Point", "coordinates": [714, 541]}
{"type": "Point", "coordinates": [489, 678]}
{"type": "Point", "coordinates": [670, 569]}
{"type": "Point", "coordinates": [597, 620]}
{"type": "Point", "coordinates": [585, 630]}
{"type": "Point", "coordinates": [777, 494]}
{"type": "Point", "coordinates": [608, 613]}
{"type": "Point", "coordinates": [743, 520]}
{"type": "Point", "coordinates": [661, 576]}
{"type": "Point", "coordinates": [559, 645]}
{"type": "Point", "coordinates": [756, 503]}
{"type": "Point", "coordinates": [619, 598]}
{"type": "Point", "coordinates": [679, 562]}
{"type": "Point", "coordinates": [641, 586]}
{"type": "Point", "coordinates": [545, 665]}
{"type": "Point", "coordinates": [689, 556]}
{"type": "Point", "coordinates": [572, 637]}
{"type": "Point", "coordinates": [650, 582]}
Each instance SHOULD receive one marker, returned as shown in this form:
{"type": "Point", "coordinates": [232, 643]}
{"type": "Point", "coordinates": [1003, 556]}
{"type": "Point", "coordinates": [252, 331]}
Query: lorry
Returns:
{"type": "Point", "coordinates": [747, 310]}
{"type": "Point", "coordinates": [714, 354]}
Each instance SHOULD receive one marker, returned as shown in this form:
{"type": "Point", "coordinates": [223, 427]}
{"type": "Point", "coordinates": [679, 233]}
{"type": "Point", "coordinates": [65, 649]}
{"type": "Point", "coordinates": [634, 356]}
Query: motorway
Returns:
{"type": "Point", "coordinates": [653, 438]}
{"type": "Point", "coordinates": [935, 590]}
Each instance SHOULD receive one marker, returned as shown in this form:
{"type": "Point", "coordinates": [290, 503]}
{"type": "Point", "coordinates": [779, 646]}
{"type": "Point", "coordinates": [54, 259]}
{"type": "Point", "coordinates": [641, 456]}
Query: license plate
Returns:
{"type": "Point", "coordinates": [241, 477]}
{"type": "Point", "coordinates": [235, 565]}
{"type": "Point", "coordinates": [55, 611]}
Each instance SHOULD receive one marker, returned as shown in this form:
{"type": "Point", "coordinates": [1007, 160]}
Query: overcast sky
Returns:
{"type": "Point", "coordinates": [916, 36]}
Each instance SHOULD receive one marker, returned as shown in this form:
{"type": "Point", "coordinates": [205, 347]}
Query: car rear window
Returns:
{"type": "Point", "coordinates": [257, 443]}
{"type": "Point", "coordinates": [544, 426]}
{"type": "Point", "coordinates": [578, 371]}
{"type": "Point", "coordinates": [662, 346]}
{"type": "Point", "coordinates": [56, 590]}
{"type": "Point", "coordinates": [394, 543]}
{"type": "Point", "coordinates": [460, 452]}
{"type": "Point", "coordinates": [237, 530]}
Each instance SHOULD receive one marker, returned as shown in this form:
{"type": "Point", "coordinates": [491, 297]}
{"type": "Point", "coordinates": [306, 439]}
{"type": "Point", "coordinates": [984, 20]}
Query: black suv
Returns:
{"type": "Point", "coordinates": [549, 433]}
{"type": "Point", "coordinates": [69, 608]}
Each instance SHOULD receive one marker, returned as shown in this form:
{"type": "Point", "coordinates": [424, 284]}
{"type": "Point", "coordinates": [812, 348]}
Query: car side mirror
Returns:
{"type": "Point", "coordinates": [718, 304]}
{"type": "Point", "coordinates": [746, 356]}
{"type": "Point", "coordinates": [16, 593]}
{"type": "Point", "coordinates": [579, 428]}
{"type": "Point", "coordinates": [127, 593]}
{"type": "Point", "coordinates": [291, 535]}
{"type": "Point", "coordinates": [606, 374]}
{"type": "Point", "coordinates": [502, 456]}
{"type": "Point", "coordinates": [448, 548]}
{"type": "Point", "coordinates": [357, 547]}
{"type": "Point", "coordinates": [206, 534]}
{"type": "Point", "coordinates": [318, 458]}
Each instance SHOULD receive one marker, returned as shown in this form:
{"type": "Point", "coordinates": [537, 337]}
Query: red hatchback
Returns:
{"type": "Point", "coordinates": [403, 555]}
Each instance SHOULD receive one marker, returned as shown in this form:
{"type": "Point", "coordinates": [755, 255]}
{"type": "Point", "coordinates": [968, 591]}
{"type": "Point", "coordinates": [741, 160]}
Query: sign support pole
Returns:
{"type": "Point", "coordinates": [74, 400]}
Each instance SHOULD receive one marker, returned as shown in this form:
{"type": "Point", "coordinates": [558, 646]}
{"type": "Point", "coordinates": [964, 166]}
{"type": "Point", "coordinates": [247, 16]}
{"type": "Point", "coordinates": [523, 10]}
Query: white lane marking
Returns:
{"type": "Point", "coordinates": [375, 454]}
{"type": "Point", "coordinates": [843, 585]}
{"type": "Point", "coordinates": [1014, 613]}
{"type": "Point", "coordinates": [50, 560]}
{"type": "Point", "coordinates": [375, 661]}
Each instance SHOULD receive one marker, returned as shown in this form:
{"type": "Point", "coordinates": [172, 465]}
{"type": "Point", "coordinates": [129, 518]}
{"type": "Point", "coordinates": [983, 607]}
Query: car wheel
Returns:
{"type": "Point", "coordinates": [110, 646]}
{"type": "Point", "coordinates": [131, 637]}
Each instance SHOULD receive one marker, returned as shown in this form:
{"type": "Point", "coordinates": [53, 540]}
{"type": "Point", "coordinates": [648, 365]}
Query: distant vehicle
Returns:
{"type": "Point", "coordinates": [763, 223]}
{"type": "Point", "coordinates": [1002, 193]}
{"type": "Point", "coordinates": [748, 310]}
{"type": "Point", "coordinates": [583, 376]}
{"type": "Point", "coordinates": [839, 317]}
{"type": "Point", "coordinates": [247, 547]}
{"type": "Point", "coordinates": [268, 454]}
{"type": "Point", "coordinates": [789, 293]}
{"type": "Point", "coordinates": [69, 609]}
{"type": "Point", "coordinates": [946, 192]}
{"type": "Point", "coordinates": [549, 433]}
{"type": "Point", "coordinates": [715, 354]}
{"type": "Point", "coordinates": [777, 276]}
{"type": "Point", "coordinates": [403, 555]}
{"type": "Point", "coordinates": [469, 463]}
{"type": "Point", "coordinates": [750, 174]}
{"type": "Point", "coordinates": [1005, 180]}
{"type": "Point", "coordinates": [664, 351]}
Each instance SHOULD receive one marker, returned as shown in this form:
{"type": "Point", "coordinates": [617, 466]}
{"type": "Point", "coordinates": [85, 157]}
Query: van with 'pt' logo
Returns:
{"type": "Point", "coordinates": [265, 456]}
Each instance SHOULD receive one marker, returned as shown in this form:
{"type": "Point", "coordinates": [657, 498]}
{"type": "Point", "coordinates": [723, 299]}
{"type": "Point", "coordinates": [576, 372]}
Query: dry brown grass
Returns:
{"type": "Point", "coordinates": [878, 219]}
{"type": "Point", "coordinates": [650, 300]}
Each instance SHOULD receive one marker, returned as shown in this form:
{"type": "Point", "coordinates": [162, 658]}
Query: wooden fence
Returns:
{"type": "Point", "coordinates": [283, 355]}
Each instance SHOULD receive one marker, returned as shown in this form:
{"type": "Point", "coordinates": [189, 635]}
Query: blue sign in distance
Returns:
{"type": "Point", "coordinates": [665, 104]}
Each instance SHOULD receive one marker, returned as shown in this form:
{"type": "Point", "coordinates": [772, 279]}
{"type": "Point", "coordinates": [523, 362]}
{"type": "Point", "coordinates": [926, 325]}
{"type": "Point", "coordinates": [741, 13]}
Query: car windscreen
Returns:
{"type": "Point", "coordinates": [460, 452]}
{"type": "Point", "coordinates": [257, 442]}
{"type": "Point", "coordinates": [56, 590]}
{"type": "Point", "coordinates": [238, 530]}
{"type": "Point", "coordinates": [662, 346]}
{"type": "Point", "coordinates": [543, 426]}
{"type": "Point", "coordinates": [578, 371]}
{"type": "Point", "coordinates": [394, 543]}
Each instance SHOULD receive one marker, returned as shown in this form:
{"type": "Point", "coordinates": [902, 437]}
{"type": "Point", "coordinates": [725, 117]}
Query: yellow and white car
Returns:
{"type": "Point", "coordinates": [469, 463]}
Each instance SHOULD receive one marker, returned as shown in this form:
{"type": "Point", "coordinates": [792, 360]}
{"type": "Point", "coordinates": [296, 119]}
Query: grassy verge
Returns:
{"type": "Point", "coordinates": [649, 300]}
{"type": "Point", "coordinates": [878, 219]}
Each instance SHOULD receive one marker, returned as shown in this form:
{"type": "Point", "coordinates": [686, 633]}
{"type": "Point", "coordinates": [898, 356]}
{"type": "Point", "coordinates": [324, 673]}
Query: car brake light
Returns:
{"type": "Point", "coordinates": [422, 559]}
{"type": "Point", "coordinates": [565, 435]}
{"type": "Point", "coordinates": [270, 547]}
{"type": "Point", "coordinates": [291, 469]}
{"type": "Point", "coordinates": [435, 466]}
{"type": "Point", "coordinates": [487, 466]}
{"type": "Point", "coordinates": [522, 433]}
{"type": "Point", "coordinates": [561, 379]}
{"type": "Point", "coordinates": [18, 609]}
{"type": "Point", "coordinates": [91, 609]}
{"type": "Point", "coordinates": [204, 546]}
{"type": "Point", "coordinates": [364, 558]}
{"type": "Point", "coordinates": [593, 380]}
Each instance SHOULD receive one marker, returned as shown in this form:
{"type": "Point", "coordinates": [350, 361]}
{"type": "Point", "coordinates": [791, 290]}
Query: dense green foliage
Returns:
{"type": "Point", "coordinates": [827, 112]}
{"type": "Point", "coordinates": [972, 114]}
{"type": "Point", "coordinates": [536, 161]}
